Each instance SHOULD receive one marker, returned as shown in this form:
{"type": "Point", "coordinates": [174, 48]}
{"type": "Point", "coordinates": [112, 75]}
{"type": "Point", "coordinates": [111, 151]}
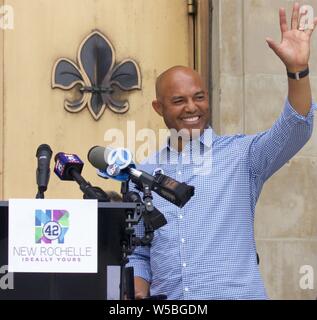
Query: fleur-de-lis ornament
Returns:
{"type": "Point", "coordinates": [97, 77]}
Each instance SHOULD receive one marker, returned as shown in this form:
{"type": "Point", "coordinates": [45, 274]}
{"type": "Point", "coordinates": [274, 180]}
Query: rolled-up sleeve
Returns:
{"type": "Point", "coordinates": [271, 149]}
{"type": "Point", "coordinates": [140, 261]}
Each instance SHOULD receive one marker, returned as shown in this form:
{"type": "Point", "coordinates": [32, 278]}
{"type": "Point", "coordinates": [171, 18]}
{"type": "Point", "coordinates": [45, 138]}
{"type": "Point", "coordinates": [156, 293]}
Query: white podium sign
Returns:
{"type": "Point", "coordinates": [53, 235]}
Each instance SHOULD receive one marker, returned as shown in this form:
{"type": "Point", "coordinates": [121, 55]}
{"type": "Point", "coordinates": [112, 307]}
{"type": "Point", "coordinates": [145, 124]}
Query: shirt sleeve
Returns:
{"type": "Point", "coordinates": [271, 149]}
{"type": "Point", "coordinates": [140, 261]}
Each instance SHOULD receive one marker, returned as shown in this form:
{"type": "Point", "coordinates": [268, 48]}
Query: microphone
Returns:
{"type": "Point", "coordinates": [111, 162]}
{"type": "Point", "coordinates": [43, 154]}
{"type": "Point", "coordinates": [68, 167]}
{"type": "Point", "coordinates": [117, 163]}
{"type": "Point", "coordinates": [178, 193]}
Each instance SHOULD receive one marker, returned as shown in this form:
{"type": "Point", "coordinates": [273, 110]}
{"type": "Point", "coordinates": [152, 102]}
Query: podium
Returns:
{"type": "Point", "coordinates": [112, 222]}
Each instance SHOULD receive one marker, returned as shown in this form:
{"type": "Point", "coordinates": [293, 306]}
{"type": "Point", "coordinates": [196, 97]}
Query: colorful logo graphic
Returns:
{"type": "Point", "coordinates": [51, 225]}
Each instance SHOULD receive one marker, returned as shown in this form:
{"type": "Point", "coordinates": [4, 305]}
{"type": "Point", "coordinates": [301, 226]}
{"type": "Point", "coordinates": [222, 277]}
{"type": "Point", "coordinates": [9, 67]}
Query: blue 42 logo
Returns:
{"type": "Point", "coordinates": [51, 225]}
{"type": "Point", "coordinates": [52, 230]}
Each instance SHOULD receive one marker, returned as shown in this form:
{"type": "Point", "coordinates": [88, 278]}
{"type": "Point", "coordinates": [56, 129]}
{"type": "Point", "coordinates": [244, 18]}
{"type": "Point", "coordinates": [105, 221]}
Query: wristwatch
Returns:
{"type": "Point", "coordinates": [298, 75]}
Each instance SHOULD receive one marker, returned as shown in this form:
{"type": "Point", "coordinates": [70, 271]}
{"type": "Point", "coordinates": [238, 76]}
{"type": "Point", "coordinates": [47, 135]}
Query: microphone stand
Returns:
{"type": "Point", "coordinates": [149, 208]}
{"type": "Point", "coordinates": [40, 194]}
{"type": "Point", "coordinates": [127, 273]}
{"type": "Point", "coordinates": [89, 191]}
{"type": "Point", "coordinates": [130, 240]}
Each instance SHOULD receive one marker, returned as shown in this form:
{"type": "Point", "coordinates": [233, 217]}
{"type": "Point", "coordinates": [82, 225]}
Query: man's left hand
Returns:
{"type": "Point", "coordinates": [294, 49]}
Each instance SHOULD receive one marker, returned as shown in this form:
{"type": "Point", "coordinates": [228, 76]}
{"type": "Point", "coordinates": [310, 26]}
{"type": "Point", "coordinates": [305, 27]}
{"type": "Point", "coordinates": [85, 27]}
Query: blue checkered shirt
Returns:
{"type": "Point", "coordinates": [207, 248]}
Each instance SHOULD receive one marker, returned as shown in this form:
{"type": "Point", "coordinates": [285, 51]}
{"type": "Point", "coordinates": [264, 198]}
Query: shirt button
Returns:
{"type": "Point", "coordinates": [184, 264]}
{"type": "Point", "coordinates": [179, 172]}
{"type": "Point", "coordinates": [186, 289]}
{"type": "Point", "coordinates": [181, 216]}
{"type": "Point", "coordinates": [183, 240]}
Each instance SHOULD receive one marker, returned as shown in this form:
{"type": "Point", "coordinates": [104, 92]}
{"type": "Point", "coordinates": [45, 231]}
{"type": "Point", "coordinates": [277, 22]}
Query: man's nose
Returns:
{"type": "Point", "coordinates": [190, 106]}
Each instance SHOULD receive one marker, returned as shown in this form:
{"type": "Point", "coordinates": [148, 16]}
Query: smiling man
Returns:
{"type": "Point", "coordinates": [207, 249]}
{"type": "Point", "coordinates": [182, 101]}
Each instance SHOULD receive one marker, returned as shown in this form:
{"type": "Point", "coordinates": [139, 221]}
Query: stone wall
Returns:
{"type": "Point", "coordinates": [249, 90]}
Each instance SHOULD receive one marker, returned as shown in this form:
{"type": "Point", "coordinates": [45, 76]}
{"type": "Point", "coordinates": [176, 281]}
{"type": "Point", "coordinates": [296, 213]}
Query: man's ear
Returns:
{"type": "Point", "coordinates": [157, 106]}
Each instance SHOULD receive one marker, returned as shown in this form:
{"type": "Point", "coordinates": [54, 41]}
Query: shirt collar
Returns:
{"type": "Point", "coordinates": [206, 138]}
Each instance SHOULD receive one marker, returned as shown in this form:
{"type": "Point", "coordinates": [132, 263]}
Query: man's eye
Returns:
{"type": "Point", "coordinates": [202, 97]}
{"type": "Point", "coordinates": [178, 101]}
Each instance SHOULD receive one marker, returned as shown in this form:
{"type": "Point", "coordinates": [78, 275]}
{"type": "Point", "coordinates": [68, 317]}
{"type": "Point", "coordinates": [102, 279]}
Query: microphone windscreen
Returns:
{"type": "Point", "coordinates": [44, 148]}
{"type": "Point", "coordinates": [97, 157]}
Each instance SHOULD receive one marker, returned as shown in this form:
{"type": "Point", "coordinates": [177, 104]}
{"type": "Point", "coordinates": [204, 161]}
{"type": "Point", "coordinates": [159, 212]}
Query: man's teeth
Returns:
{"type": "Point", "coordinates": [193, 119]}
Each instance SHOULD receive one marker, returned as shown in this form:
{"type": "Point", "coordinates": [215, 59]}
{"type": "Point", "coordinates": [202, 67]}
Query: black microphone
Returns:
{"type": "Point", "coordinates": [178, 193]}
{"type": "Point", "coordinates": [43, 154]}
{"type": "Point", "coordinates": [69, 167]}
{"type": "Point", "coordinates": [172, 190]}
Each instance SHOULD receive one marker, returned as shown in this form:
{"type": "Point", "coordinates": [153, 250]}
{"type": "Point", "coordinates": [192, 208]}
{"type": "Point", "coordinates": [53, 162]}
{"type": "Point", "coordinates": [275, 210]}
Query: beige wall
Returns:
{"type": "Point", "coordinates": [154, 33]}
{"type": "Point", "coordinates": [249, 91]}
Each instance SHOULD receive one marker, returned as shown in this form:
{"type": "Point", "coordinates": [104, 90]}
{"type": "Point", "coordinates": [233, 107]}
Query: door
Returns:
{"type": "Point", "coordinates": [154, 33]}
